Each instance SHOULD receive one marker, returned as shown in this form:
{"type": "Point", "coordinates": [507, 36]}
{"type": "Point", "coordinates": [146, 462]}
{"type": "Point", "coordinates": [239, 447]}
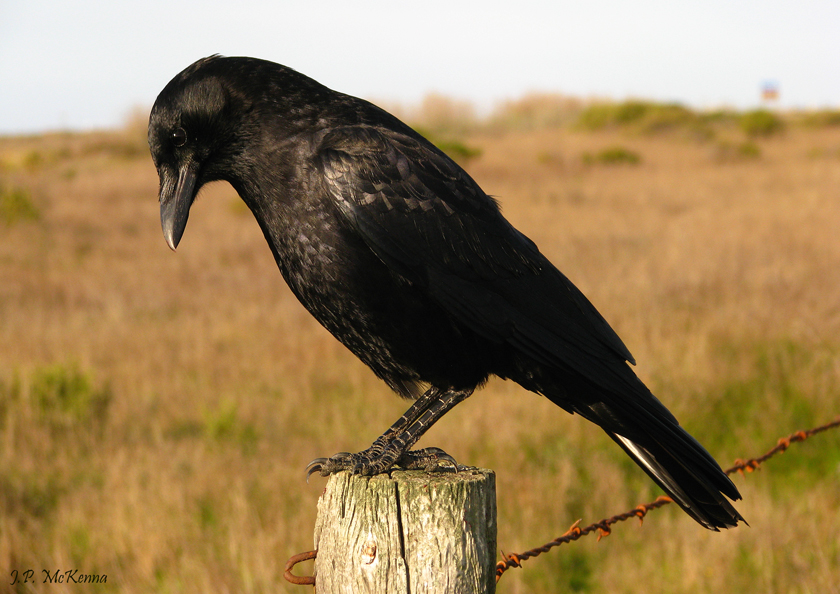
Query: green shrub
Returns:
{"type": "Point", "coordinates": [454, 148]}
{"type": "Point", "coordinates": [207, 514]}
{"type": "Point", "coordinates": [760, 122]}
{"type": "Point", "coordinates": [16, 205]}
{"type": "Point", "coordinates": [224, 424]}
{"type": "Point", "coordinates": [729, 152]}
{"type": "Point", "coordinates": [631, 111]}
{"type": "Point", "coordinates": [596, 117]}
{"type": "Point", "coordinates": [66, 395]}
{"type": "Point", "coordinates": [666, 116]}
{"type": "Point", "coordinates": [457, 150]}
{"type": "Point", "coordinates": [614, 155]}
{"type": "Point", "coordinates": [647, 116]}
{"type": "Point", "coordinates": [33, 160]}
{"type": "Point", "coordinates": [749, 150]}
{"type": "Point", "coordinates": [824, 118]}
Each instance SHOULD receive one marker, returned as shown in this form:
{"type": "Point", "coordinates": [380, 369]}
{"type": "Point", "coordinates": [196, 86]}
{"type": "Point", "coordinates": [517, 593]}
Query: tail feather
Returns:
{"type": "Point", "coordinates": [692, 483]}
{"type": "Point", "coordinates": [613, 397]}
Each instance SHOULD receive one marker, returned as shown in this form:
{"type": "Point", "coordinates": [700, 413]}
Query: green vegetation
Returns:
{"type": "Point", "coordinates": [736, 152]}
{"type": "Point", "coordinates": [824, 118]}
{"type": "Point", "coordinates": [29, 496]}
{"type": "Point", "coordinates": [760, 123]}
{"type": "Point", "coordinates": [66, 395]}
{"type": "Point", "coordinates": [16, 205]}
{"type": "Point", "coordinates": [33, 160]}
{"type": "Point", "coordinates": [645, 116]}
{"type": "Point", "coordinates": [224, 425]}
{"type": "Point", "coordinates": [456, 149]}
{"type": "Point", "coordinates": [773, 379]}
{"type": "Point", "coordinates": [613, 155]}
{"type": "Point", "coordinates": [573, 572]}
{"type": "Point", "coordinates": [749, 150]}
{"type": "Point", "coordinates": [55, 413]}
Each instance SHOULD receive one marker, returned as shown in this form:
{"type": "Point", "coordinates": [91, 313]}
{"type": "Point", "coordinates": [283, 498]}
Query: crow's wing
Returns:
{"type": "Point", "coordinates": [430, 222]}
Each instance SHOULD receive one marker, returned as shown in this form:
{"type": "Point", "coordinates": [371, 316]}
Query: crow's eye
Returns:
{"type": "Point", "coordinates": [179, 137]}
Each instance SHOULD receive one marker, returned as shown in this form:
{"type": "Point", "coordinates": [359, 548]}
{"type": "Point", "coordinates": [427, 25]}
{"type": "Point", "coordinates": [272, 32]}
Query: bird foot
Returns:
{"type": "Point", "coordinates": [377, 460]}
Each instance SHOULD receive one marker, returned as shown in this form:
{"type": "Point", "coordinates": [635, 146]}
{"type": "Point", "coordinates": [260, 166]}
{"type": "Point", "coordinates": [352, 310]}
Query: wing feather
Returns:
{"type": "Point", "coordinates": [430, 222]}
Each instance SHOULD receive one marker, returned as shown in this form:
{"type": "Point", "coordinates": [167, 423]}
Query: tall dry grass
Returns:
{"type": "Point", "coordinates": [157, 409]}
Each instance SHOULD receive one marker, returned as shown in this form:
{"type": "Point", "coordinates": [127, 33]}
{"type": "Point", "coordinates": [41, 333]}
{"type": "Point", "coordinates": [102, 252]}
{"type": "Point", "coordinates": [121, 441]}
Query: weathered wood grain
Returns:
{"type": "Point", "coordinates": [410, 532]}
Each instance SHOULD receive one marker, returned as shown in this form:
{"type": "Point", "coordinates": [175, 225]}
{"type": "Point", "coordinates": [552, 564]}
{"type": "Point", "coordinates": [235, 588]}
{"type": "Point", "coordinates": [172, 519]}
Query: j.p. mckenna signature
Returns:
{"type": "Point", "coordinates": [69, 576]}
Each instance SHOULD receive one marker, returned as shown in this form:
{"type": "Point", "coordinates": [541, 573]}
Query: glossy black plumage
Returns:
{"type": "Point", "coordinates": [405, 260]}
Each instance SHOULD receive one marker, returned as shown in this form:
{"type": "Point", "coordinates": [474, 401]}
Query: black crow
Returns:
{"type": "Point", "coordinates": [405, 260]}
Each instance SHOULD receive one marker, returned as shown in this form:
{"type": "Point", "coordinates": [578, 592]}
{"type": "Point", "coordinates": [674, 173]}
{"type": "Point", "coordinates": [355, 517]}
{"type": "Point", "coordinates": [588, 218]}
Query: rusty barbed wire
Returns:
{"type": "Point", "coordinates": [575, 532]}
{"type": "Point", "coordinates": [743, 466]}
{"type": "Point", "coordinates": [603, 527]}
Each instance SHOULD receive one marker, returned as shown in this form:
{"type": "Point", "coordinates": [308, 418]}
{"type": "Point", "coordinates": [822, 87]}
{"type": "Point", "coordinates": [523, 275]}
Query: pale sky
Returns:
{"type": "Point", "coordinates": [88, 63]}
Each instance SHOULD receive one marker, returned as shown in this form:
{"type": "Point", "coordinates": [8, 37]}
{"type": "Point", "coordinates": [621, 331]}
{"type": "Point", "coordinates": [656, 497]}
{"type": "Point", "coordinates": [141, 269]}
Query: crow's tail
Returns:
{"type": "Point", "coordinates": [688, 474]}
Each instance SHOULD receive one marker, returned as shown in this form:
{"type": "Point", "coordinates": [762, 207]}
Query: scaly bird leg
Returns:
{"type": "Point", "coordinates": [391, 448]}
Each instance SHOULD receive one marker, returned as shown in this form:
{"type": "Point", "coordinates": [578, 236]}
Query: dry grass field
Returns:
{"type": "Point", "coordinates": [157, 410]}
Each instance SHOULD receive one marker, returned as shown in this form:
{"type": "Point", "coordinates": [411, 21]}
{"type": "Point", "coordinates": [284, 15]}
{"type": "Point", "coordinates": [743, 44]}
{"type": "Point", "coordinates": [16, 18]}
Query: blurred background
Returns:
{"type": "Point", "coordinates": [86, 64]}
{"type": "Point", "coordinates": [680, 163]}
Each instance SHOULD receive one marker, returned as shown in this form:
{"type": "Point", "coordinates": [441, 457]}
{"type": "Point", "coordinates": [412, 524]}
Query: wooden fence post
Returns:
{"type": "Point", "coordinates": [410, 532]}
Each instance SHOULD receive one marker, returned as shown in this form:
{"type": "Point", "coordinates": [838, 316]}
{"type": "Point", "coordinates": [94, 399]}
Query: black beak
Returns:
{"type": "Point", "coordinates": [175, 205]}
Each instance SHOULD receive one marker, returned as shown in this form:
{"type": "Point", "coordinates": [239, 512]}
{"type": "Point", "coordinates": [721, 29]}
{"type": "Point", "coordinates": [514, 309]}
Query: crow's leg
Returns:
{"type": "Point", "coordinates": [392, 446]}
{"type": "Point", "coordinates": [414, 412]}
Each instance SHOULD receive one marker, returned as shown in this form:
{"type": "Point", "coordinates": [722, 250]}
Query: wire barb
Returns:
{"type": "Point", "coordinates": [640, 511]}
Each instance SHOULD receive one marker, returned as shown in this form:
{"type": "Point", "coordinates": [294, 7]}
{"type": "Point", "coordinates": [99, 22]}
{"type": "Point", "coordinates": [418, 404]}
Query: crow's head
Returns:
{"type": "Point", "coordinates": [228, 118]}
{"type": "Point", "coordinates": [197, 133]}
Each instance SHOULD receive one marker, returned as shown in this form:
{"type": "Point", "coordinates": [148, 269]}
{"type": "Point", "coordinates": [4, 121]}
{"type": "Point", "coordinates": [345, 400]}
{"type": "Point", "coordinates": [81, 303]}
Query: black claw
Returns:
{"type": "Point", "coordinates": [328, 466]}
{"type": "Point", "coordinates": [439, 454]}
{"type": "Point", "coordinates": [316, 461]}
{"type": "Point", "coordinates": [314, 466]}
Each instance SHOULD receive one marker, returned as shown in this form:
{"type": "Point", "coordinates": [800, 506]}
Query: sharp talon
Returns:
{"type": "Point", "coordinates": [327, 466]}
{"type": "Point", "coordinates": [450, 459]}
{"type": "Point", "coordinates": [316, 462]}
{"type": "Point", "coordinates": [314, 466]}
